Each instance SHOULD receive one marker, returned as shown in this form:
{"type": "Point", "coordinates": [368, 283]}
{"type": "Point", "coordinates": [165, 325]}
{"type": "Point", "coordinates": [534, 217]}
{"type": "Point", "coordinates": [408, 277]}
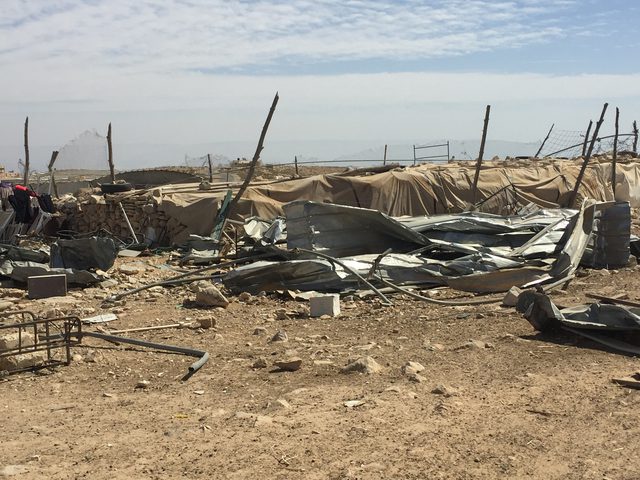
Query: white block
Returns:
{"type": "Point", "coordinates": [325, 305]}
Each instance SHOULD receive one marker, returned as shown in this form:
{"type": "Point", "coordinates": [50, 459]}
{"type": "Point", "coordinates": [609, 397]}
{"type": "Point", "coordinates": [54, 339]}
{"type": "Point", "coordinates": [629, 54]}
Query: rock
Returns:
{"type": "Point", "coordinates": [259, 363]}
{"type": "Point", "coordinates": [207, 322]}
{"type": "Point", "coordinates": [280, 336]}
{"type": "Point", "coordinates": [259, 331]}
{"type": "Point", "coordinates": [433, 347]}
{"type": "Point", "coordinates": [211, 297]}
{"type": "Point", "coordinates": [245, 297]}
{"type": "Point", "coordinates": [5, 305]}
{"type": "Point", "coordinates": [511, 297]}
{"type": "Point", "coordinates": [633, 262]}
{"type": "Point", "coordinates": [354, 403]}
{"type": "Point", "coordinates": [412, 368]}
{"type": "Point", "coordinates": [143, 384]}
{"type": "Point", "coordinates": [91, 356]}
{"type": "Point", "coordinates": [417, 378]}
{"type": "Point", "coordinates": [289, 365]}
{"type": "Point", "coordinates": [281, 314]}
{"type": "Point", "coordinates": [363, 365]}
{"type": "Point", "coordinates": [444, 390]}
{"type": "Point", "coordinates": [110, 283]}
{"type": "Point", "coordinates": [131, 269]}
{"type": "Point", "coordinates": [76, 357]}
{"type": "Point", "coordinates": [474, 345]}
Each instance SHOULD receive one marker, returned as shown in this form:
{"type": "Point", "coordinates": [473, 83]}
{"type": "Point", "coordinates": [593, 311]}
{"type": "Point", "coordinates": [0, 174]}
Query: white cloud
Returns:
{"type": "Point", "coordinates": [173, 35]}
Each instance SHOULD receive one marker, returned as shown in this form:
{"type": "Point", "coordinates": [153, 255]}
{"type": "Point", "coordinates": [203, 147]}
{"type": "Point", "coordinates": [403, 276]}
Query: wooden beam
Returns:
{"type": "Point", "coordinates": [384, 159]}
{"type": "Point", "coordinates": [210, 168]}
{"type": "Point", "coordinates": [574, 194]}
{"type": "Point", "coordinates": [474, 188]}
{"type": "Point", "coordinates": [635, 137]}
{"type": "Point", "coordinates": [295, 162]}
{"type": "Point", "coordinates": [112, 169]}
{"type": "Point", "coordinates": [615, 156]}
{"type": "Point", "coordinates": [256, 157]}
{"type": "Point", "coordinates": [52, 180]}
{"type": "Point", "coordinates": [544, 141]}
{"type": "Point", "coordinates": [586, 138]}
{"type": "Point", "coordinates": [26, 152]}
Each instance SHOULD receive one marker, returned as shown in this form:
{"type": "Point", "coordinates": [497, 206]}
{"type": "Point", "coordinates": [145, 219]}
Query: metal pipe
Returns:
{"type": "Point", "coordinates": [126, 218]}
{"type": "Point", "coordinates": [194, 367]}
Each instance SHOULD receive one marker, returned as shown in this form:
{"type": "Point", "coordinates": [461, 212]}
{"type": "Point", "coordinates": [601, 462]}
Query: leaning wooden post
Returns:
{"type": "Point", "coordinates": [635, 137]}
{"type": "Point", "coordinates": [474, 188]}
{"type": "Point", "coordinates": [586, 138]}
{"type": "Point", "coordinates": [256, 157]}
{"type": "Point", "coordinates": [295, 161]}
{"type": "Point", "coordinates": [384, 159]}
{"type": "Point", "coordinates": [52, 181]}
{"type": "Point", "coordinates": [615, 155]}
{"type": "Point", "coordinates": [26, 152]}
{"type": "Point", "coordinates": [574, 194]}
{"type": "Point", "coordinates": [210, 168]}
{"type": "Point", "coordinates": [112, 169]}
{"type": "Point", "coordinates": [544, 141]}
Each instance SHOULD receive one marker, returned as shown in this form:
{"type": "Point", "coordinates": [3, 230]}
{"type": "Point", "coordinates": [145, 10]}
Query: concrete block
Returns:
{"type": "Point", "coordinates": [44, 286]}
{"type": "Point", "coordinates": [511, 297]}
{"type": "Point", "coordinates": [325, 305]}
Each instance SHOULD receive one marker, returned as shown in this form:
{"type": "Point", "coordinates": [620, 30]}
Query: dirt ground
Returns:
{"type": "Point", "coordinates": [526, 406]}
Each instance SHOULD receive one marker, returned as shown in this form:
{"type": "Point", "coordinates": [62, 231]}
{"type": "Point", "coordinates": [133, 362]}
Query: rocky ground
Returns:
{"type": "Point", "coordinates": [485, 396]}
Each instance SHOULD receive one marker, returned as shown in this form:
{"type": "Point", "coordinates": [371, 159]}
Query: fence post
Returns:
{"type": "Point", "coordinates": [586, 138]}
{"type": "Point", "coordinates": [384, 160]}
{"type": "Point", "coordinates": [615, 156]}
{"type": "Point", "coordinates": [481, 154]}
{"type": "Point", "coordinates": [544, 141]}
{"type": "Point", "coordinates": [295, 161]}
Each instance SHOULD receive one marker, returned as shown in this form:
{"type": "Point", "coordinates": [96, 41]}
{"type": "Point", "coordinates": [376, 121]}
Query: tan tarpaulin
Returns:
{"type": "Point", "coordinates": [429, 189]}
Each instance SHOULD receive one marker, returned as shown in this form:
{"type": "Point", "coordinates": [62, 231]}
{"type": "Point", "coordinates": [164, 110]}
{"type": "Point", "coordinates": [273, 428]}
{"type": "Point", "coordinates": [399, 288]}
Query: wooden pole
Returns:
{"type": "Point", "coordinates": [52, 181]}
{"type": "Point", "coordinates": [544, 141]}
{"type": "Point", "coordinates": [635, 137]}
{"type": "Point", "coordinates": [615, 155]}
{"type": "Point", "coordinates": [112, 169]}
{"type": "Point", "coordinates": [210, 168]}
{"type": "Point", "coordinates": [256, 157]}
{"type": "Point", "coordinates": [586, 138]}
{"type": "Point", "coordinates": [574, 194]}
{"type": "Point", "coordinates": [26, 152]}
{"type": "Point", "coordinates": [384, 159]}
{"type": "Point", "coordinates": [295, 161]}
{"type": "Point", "coordinates": [474, 188]}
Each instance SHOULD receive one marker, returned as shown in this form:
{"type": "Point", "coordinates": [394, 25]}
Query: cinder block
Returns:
{"type": "Point", "coordinates": [325, 305]}
{"type": "Point", "coordinates": [44, 286]}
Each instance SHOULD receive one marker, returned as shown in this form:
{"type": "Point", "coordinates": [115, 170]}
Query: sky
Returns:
{"type": "Point", "coordinates": [180, 77]}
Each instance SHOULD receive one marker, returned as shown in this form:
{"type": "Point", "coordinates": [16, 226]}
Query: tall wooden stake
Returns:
{"type": "Point", "coordinates": [635, 137]}
{"type": "Point", "coordinates": [481, 154]}
{"type": "Point", "coordinates": [26, 152]}
{"type": "Point", "coordinates": [384, 159]}
{"type": "Point", "coordinates": [52, 181]}
{"type": "Point", "coordinates": [544, 141]}
{"type": "Point", "coordinates": [210, 168]}
{"type": "Point", "coordinates": [615, 155]}
{"type": "Point", "coordinates": [112, 169]}
{"type": "Point", "coordinates": [586, 138]}
{"type": "Point", "coordinates": [295, 162]}
{"type": "Point", "coordinates": [256, 157]}
{"type": "Point", "coordinates": [574, 194]}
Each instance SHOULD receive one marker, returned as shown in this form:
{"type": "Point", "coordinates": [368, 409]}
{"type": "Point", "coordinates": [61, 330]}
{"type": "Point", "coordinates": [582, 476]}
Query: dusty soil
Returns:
{"type": "Point", "coordinates": [528, 406]}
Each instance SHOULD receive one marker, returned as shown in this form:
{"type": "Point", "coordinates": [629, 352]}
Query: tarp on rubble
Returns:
{"type": "Point", "coordinates": [431, 189]}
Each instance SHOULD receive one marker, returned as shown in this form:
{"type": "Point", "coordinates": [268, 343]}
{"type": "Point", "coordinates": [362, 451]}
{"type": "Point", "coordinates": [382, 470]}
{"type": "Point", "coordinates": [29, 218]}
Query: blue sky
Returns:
{"type": "Point", "coordinates": [194, 72]}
